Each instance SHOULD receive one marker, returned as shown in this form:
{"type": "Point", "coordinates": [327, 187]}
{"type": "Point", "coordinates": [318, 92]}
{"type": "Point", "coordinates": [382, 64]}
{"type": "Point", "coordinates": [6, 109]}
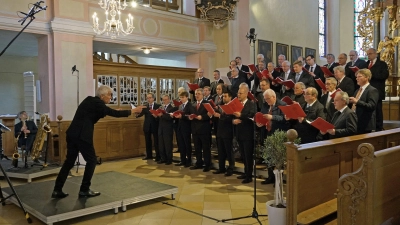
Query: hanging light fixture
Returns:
{"type": "Point", "coordinates": [113, 27]}
{"type": "Point", "coordinates": [146, 50]}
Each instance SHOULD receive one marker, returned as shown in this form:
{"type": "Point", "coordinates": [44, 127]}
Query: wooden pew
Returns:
{"type": "Point", "coordinates": [371, 194]}
{"type": "Point", "coordinates": [313, 170]}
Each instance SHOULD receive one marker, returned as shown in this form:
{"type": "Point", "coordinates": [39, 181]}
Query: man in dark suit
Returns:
{"type": "Point", "coordinates": [326, 99]}
{"type": "Point", "coordinates": [344, 83]}
{"type": "Point", "coordinates": [330, 58]}
{"type": "Point", "coordinates": [315, 71]}
{"type": "Point", "coordinates": [224, 139]}
{"type": "Point", "coordinates": [285, 75]}
{"type": "Point", "coordinates": [245, 133]}
{"type": "Point", "coordinates": [217, 80]}
{"type": "Point", "coordinates": [201, 130]}
{"type": "Point", "coordinates": [313, 110]}
{"type": "Point", "coordinates": [264, 85]}
{"type": "Point", "coordinates": [344, 119]}
{"type": "Point", "coordinates": [354, 61]}
{"type": "Point", "coordinates": [380, 73]}
{"type": "Point", "coordinates": [26, 130]}
{"type": "Point", "coordinates": [201, 80]}
{"type": "Point", "coordinates": [80, 139]}
{"type": "Point", "coordinates": [243, 70]}
{"type": "Point", "coordinates": [298, 95]}
{"type": "Point", "coordinates": [165, 131]}
{"type": "Point", "coordinates": [301, 76]}
{"type": "Point", "coordinates": [273, 74]}
{"type": "Point", "coordinates": [184, 131]}
{"type": "Point", "coordinates": [207, 93]}
{"type": "Point", "coordinates": [276, 121]}
{"type": "Point", "coordinates": [150, 127]}
{"type": "Point", "coordinates": [236, 80]}
{"type": "Point", "coordinates": [256, 90]}
{"type": "Point", "coordinates": [364, 102]}
{"type": "Point", "coordinates": [232, 64]}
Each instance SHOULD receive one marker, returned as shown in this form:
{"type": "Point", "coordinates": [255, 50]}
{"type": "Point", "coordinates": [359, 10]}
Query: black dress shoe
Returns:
{"type": "Point", "coordinates": [187, 165]}
{"type": "Point", "coordinates": [206, 169]}
{"type": "Point", "coordinates": [242, 177]}
{"type": "Point", "coordinates": [160, 162]}
{"type": "Point", "coordinates": [196, 167]}
{"type": "Point", "coordinates": [218, 172]}
{"type": "Point", "coordinates": [58, 194]}
{"type": "Point", "coordinates": [168, 163]}
{"type": "Point", "coordinates": [180, 164]}
{"type": "Point", "coordinates": [88, 194]}
{"type": "Point", "coordinates": [228, 173]}
{"type": "Point", "coordinates": [147, 158]}
{"type": "Point", "coordinates": [247, 180]}
{"type": "Point", "coordinates": [268, 181]}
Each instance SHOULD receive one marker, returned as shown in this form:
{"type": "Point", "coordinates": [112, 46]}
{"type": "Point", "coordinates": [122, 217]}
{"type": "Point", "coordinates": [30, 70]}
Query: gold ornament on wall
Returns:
{"type": "Point", "coordinates": [386, 48]}
{"type": "Point", "coordinates": [217, 13]}
{"type": "Point", "coordinates": [366, 23]}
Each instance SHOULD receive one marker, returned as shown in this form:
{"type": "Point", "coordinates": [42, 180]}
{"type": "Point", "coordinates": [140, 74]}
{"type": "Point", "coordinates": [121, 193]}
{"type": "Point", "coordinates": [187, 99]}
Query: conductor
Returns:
{"type": "Point", "coordinates": [80, 139]}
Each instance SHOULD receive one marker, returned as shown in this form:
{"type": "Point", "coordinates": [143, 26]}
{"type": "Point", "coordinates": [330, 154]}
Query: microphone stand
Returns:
{"type": "Point", "coordinates": [254, 213]}
{"type": "Point", "coordinates": [31, 14]}
{"type": "Point", "coordinates": [78, 163]}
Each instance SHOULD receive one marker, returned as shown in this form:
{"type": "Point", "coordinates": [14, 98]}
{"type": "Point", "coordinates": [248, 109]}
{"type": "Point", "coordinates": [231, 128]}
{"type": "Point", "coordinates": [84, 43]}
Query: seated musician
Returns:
{"type": "Point", "coordinates": [26, 129]}
{"type": "Point", "coordinates": [344, 119]}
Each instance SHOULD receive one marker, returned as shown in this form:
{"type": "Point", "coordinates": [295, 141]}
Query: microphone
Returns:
{"type": "Point", "coordinates": [74, 69]}
{"type": "Point", "coordinates": [251, 35]}
{"type": "Point", "coordinates": [37, 113]}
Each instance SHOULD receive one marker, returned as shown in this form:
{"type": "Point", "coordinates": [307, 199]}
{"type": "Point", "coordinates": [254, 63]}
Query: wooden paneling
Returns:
{"type": "Point", "coordinates": [390, 111]}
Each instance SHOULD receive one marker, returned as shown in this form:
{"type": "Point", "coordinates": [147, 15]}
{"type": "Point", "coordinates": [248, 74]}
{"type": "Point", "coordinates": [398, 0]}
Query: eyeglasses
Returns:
{"type": "Point", "coordinates": [307, 94]}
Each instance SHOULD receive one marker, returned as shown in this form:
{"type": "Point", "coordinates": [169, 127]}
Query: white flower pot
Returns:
{"type": "Point", "coordinates": [276, 216]}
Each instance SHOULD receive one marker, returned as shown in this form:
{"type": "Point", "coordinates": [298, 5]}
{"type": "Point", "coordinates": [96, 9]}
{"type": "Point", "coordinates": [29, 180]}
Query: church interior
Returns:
{"type": "Point", "coordinates": [144, 49]}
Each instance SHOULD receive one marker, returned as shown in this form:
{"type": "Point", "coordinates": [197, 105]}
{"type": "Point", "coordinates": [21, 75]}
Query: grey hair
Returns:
{"type": "Point", "coordinates": [244, 85]}
{"type": "Point", "coordinates": [235, 69]}
{"type": "Point", "coordinates": [273, 64]}
{"type": "Point", "coordinates": [287, 62]}
{"type": "Point", "coordinates": [270, 92]}
{"type": "Point", "coordinates": [339, 68]}
{"type": "Point", "coordinates": [282, 55]}
{"type": "Point", "coordinates": [260, 55]}
{"type": "Point", "coordinates": [332, 55]}
{"type": "Point", "coordinates": [354, 52]}
{"type": "Point", "coordinates": [181, 88]}
{"type": "Point", "coordinates": [302, 85]}
{"type": "Point", "coordinates": [199, 90]}
{"type": "Point", "coordinates": [345, 96]}
{"type": "Point", "coordinates": [103, 90]}
{"type": "Point", "coordinates": [333, 80]}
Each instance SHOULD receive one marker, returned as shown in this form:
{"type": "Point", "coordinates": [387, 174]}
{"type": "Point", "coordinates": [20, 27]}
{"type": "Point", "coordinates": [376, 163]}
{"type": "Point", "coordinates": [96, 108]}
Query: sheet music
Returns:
{"type": "Point", "coordinates": [226, 80]}
{"type": "Point", "coordinates": [133, 106]}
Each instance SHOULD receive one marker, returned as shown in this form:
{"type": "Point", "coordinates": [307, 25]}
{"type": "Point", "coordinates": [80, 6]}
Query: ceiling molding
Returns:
{"type": "Point", "coordinates": [62, 25]}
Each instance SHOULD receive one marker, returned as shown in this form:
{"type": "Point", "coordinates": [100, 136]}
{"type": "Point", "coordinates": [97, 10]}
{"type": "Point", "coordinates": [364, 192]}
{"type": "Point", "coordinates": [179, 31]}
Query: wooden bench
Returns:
{"type": "Point", "coordinates": [371, 195]}
{"type": "Point", "coordinates": [314, 169]}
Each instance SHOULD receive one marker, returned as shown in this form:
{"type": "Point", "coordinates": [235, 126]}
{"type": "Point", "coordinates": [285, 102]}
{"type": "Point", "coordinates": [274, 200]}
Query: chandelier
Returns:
{"type": "Point", "coordinates": [113, 27]}
{"type": "Point", "coordinates": [217, 13]}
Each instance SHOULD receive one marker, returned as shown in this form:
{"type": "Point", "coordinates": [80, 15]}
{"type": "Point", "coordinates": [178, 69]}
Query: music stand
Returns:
{"type": "Point", "coordinates": [3, 128]}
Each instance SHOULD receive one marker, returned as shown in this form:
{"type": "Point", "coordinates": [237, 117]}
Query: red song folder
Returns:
{"type": "Point", "coordinates": [259, 118]}
{"type": "Point", "coordinates": [293, 111]}
{"type": "Point", "coordinates": [212, 103]}
{"type": "Point", "coordinates": [179, 112]}
{"type": "Point", "coordinates": [305, 70]}
{"type": "Point", "coordinates": [278, 80]}
{"type": "Point", "coordinates": [157, 111]}
{"type": "Point", "coordinates": [209, 108]}
{"type": "Point", "coordinates": [326, 71]}
{"type": "Point", "coordinates": [193, 87]}
{"type": "Point", "coordinates": [321, 84]}
{"type": "Point", "coordinates": [354, 68]}
{"type": "Point", "coordinates": [288, 83]}
{"type": "Point", "coordinates": [334, 93]}
{"type": "Point", "coordinates": [233, 106]}
{"type": "Point", "coordinates": [253, 68]}
{"type": "Point", "coordinates": [321, 124]}
{"type": "Point", "coordinates": [177, 103]}
{"type": "Point", "coordinates": [251, 97]}
{"type": "Point", "coordinates": [288, 100]}
{"type": "Point", "coordinates": [192, 116]}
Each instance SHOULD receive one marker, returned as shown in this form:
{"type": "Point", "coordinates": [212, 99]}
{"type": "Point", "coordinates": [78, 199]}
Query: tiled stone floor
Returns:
{"type": "Point", "coordinates": [212, 195]}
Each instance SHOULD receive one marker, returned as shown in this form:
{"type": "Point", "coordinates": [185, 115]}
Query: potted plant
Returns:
{"type": "Point", "coordinates": [274, 154]}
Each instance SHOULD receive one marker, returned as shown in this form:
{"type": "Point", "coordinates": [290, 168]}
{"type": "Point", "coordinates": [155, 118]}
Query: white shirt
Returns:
{"type": "Point", "coordinates": [244, 102]}
{"type": "Point", "coordinates": [341, 111]}
{"type": "Point", "coordinates": [309, 105]}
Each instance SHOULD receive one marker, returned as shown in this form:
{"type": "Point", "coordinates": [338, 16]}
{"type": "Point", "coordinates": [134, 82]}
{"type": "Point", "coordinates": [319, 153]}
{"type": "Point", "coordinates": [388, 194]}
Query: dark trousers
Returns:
{"type": "Point", "coordinates": [165, 136]}
{"type": "Point", "coordinates": [185, 147]}
{"type": "Point", "coordinates": [176, 134]}
{"type": "Point", "coordinates": [74, 146]}
{"type": "Point", "coordinates": [202, 149]}
{"type": "Point", "coordinates": [379, 116]}
{"type": "Point", "coordinates": [149, 146]}
{"type": "Point", "coordinates": [225, 152]}
{"type": "Point", "coordinates": [246, 150]}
